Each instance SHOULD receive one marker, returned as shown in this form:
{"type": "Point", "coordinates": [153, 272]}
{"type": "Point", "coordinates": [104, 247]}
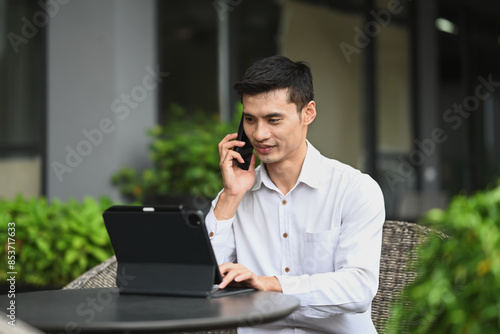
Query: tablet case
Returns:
{"type": "Point", "coordinates": [161, 250]}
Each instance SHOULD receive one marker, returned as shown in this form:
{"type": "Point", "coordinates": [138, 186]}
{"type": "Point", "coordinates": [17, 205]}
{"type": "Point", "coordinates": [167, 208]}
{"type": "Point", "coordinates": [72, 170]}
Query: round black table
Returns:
{"type": "Point", "coordinates": [106, 310]}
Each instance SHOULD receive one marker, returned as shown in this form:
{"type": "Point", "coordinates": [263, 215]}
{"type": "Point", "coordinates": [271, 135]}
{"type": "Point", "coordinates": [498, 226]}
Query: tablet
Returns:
{"type": "Point", "coordinates": [163, 250]}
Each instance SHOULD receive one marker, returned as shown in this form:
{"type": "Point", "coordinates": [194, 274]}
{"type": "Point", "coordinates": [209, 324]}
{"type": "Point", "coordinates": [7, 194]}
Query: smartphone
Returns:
{"type": "Point", "coordinates": [245, 151]}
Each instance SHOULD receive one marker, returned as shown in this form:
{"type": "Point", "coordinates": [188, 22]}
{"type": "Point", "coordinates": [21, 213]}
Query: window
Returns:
{"type": "Point", "coordinates": [22, 96]}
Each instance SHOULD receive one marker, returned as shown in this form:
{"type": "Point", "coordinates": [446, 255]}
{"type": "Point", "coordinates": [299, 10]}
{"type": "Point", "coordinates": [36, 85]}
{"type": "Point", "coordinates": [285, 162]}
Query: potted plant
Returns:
{"type": "Point", "coordinates": [48, 244]}
{"type": "Point", "coordinates": [458, 277]}
{"type": "Point", "coordinates": [185, 161]}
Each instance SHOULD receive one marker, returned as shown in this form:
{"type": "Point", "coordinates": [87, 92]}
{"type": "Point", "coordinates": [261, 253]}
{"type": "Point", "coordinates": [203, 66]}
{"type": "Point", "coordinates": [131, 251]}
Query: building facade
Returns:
{"type": "Point", "coordinates": [407, 91]}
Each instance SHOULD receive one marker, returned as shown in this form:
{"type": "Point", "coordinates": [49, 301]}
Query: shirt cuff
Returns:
{"type": "Point", "coordinates": [218, 230]}
{"type": "Point", "coordinates": [293, 285]}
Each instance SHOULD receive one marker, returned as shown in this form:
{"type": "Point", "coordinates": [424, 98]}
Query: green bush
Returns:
{"type": "Point", "coordinates": [54, 242]}
{"type": "Point", "coordinates": [457, 287]}
{"type": "Point", "coordinates": [185, 158]}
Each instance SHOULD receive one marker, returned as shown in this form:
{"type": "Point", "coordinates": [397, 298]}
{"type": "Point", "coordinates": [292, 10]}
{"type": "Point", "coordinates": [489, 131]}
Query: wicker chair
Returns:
{"type": "Point", "coordinates": [398, 249]}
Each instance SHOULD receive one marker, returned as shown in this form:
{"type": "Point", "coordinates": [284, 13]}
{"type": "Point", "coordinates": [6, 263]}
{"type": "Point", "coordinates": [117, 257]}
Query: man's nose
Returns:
{"type": "Point", "coordinates": [261, 132]}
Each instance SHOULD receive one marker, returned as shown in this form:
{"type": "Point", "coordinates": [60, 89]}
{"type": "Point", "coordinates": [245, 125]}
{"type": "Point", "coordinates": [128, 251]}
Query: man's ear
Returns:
{"type": "Point", "coordinates": [309, 112]}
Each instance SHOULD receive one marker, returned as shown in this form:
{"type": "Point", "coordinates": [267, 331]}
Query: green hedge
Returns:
{"type": "Point", "coordinates": [457, 289]}
{"type": "Point", "coordinates": [54, 242]}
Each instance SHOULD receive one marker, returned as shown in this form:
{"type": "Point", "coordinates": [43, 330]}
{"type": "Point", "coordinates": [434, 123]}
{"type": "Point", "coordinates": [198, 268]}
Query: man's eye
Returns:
{"type": "Point", "coordinates": [249, 119]}
{"type": "Point", "coordinates": [274, 120]}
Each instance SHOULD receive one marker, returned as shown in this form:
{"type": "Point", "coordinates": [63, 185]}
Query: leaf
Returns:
{"type": "Point", "coordinates": [71, 256]}
{"type": "Point", "coordinates": [100, 254]}
{"type": "Point", "coordinates": [43, 245]}
{"type": "Point", "coordinates": [454, 291]}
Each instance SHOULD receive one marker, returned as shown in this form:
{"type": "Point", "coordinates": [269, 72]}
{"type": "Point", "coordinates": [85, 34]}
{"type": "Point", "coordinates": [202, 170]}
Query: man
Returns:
{"type": "Point", "coordinates": [300, 223]}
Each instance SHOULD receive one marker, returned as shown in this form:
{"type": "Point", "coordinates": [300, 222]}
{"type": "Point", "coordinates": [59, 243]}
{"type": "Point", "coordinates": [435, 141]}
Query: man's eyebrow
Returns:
{"type": "Point", "coordinates": [274, 114]}
{"type": "Point", "coordinates": [270, 115]}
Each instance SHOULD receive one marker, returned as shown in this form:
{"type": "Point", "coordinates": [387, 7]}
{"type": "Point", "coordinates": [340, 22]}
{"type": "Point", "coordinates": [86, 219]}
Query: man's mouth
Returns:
{"type": "Point", "coordinates": [264, 149]}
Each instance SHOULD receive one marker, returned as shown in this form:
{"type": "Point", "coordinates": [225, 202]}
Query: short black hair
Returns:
{"type": "Point", "coordinates": [279, 72]}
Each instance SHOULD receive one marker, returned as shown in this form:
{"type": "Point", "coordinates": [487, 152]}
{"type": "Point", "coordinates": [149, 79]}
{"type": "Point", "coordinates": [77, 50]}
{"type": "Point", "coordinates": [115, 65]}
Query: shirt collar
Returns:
{"type": "Point", "coordinates": [310, 174]}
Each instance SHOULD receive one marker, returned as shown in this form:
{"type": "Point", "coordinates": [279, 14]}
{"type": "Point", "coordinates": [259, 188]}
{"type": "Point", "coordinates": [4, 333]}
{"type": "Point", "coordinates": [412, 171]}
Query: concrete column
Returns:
{"type": "Point", "coordinates": [102, 86]}
{"type": "Point", "coordinates": [428, 159]}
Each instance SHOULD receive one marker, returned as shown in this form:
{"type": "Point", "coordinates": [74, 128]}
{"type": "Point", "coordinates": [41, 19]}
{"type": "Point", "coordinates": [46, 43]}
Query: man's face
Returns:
{"type": "Point", "coordinates": [275, 128]}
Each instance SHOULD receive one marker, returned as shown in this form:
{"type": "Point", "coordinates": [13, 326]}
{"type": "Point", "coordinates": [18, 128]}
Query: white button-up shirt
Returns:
{"type": "Point", "coordinates": [322, 241]}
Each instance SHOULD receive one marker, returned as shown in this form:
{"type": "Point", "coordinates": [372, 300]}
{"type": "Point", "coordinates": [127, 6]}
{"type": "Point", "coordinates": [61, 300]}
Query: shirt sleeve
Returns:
{"type": "Point", "coordinates": [352, 285]}
{"type": "Point", "coordinates": [221, 236]}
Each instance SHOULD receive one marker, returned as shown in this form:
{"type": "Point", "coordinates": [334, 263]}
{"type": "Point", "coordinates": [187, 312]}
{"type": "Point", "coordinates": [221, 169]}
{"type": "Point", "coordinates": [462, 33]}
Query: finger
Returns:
{"type": "Point", "coordinates": [227, 150]}
{"type": "Point", "coordinates": [225, 282]}
{"type": "Point", "coordinates": [241, 160]}
{"type": "Point", "coordinates": [229, 137]}
{"type": "Point", "coordinates": [225, 140]}
{"type": "Point", "coordinates": [228, 272]}
{"type": "Point", "coordinates": [228, 278]}
{"type": "Point", "coordinates": [231, 144]}
{"type": "Point", "coordinates": [253, 161]}
{"type": "Point", "coordinates": [224, 267]}
{"type": "Point", "coordinates": [228, 159]}
{"type": "Point", "coordinates": [243, 276]}
{"type": "Point", "coordinates": [237, 156]}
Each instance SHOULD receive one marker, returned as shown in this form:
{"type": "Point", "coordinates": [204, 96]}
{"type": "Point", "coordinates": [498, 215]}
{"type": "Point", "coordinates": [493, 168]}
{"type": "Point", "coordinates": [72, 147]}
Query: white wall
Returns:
{"type": "Point", "coordinates": [393, 74]}
{"type": "Point", "coordinates": [313, 34]}
{"type": "Point", "coordinates": [20, 175]}
{"type": "Point", "coordinates": [100, 56]}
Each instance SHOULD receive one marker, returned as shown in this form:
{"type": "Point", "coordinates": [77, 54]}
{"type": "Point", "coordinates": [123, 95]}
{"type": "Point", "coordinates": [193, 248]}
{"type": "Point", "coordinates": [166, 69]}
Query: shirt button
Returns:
{"type": "Point", "coordinates": [285, 235]}
{"type": "Point", "coordinates": [283, 202]}
{"type": "Point", "coordinates": [211, 234]}
{"type": "Point", "coordinates": [287, 270]}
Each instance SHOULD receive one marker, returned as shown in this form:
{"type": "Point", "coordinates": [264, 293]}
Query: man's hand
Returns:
{"type": "Point", "coordinates": [236, 180]}
{"type": "Point", "coordinates": [236, 274]}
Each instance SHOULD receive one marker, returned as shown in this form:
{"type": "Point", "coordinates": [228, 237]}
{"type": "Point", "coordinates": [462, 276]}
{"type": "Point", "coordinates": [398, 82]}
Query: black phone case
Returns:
{"type": "Point", "coordinates": [245, 151]}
